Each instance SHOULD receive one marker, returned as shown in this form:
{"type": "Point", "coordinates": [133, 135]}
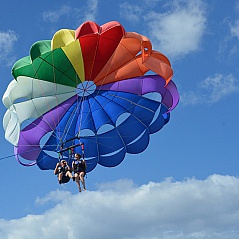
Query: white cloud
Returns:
{"type": "Point", "coordinates": [179, 30]}
{"type": "Point", "coordinates": [184, 210]}
{"type": "Point", "coordinates": [7, 40]}
{"type": "Point", "coordinates": [211, 90]}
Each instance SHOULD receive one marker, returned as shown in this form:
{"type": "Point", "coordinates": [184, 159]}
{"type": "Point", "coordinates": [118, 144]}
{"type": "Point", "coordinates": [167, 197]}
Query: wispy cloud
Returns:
{"type": "Point", "coordinates": [211, 90]}
{"type": "Point", "coordinates": [130, 12]}
{"type": "Point", "coordinates": [54, 16]}
{"type": "Point", "coordinates": [86, 12]}
{"type": "Point", "coordinates": [234, 29]}
{"type": "Point", "coordinates": [135, 12]}
{"type": "Point", "coordinates": [91, 10]}
{"type": "Point", "coordinates": [234, 25]}
{"type": "Point", "coordinates": [152, 3]}
{"type": "Point", "coordinates": [179, 30]}
{"type": "Point", "coordinates": [228, 48]}
{"type": "Point", "coordinates": [7, 41]}
{"type": "Point", "coordinates": [184, 210]}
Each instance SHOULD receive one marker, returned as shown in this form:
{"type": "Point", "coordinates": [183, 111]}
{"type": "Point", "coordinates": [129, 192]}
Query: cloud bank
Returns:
{"type": "Point", "coordinates": [167, 210]}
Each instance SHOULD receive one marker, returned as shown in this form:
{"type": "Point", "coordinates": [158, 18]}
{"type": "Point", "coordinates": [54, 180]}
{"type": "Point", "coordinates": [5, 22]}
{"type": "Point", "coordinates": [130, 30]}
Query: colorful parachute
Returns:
{"type": "Point", "coordinates": [88, 87]}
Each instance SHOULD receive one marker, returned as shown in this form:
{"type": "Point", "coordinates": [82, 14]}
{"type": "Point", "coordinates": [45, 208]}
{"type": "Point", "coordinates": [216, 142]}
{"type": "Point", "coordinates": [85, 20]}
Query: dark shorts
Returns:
{"type": "Point", "coordinates": [65, 179]}
{"type": "Point", "coordinates": [80, 172]}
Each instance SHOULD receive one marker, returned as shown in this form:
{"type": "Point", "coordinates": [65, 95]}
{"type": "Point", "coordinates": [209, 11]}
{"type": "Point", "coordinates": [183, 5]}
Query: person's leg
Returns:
{"type": "Point", "coordinates": [82, 174]}
{"type": "Point", "coordinates": [60, 175]}
{"type": "Point", "coordinates": [77, 181]}
{"type": "Point", "coordinates": [68, 173]}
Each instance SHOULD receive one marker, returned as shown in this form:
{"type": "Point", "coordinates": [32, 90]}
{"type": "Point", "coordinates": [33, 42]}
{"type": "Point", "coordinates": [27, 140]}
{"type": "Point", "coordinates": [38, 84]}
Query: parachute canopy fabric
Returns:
{"type": "Point", "coordinates": [90, 86]}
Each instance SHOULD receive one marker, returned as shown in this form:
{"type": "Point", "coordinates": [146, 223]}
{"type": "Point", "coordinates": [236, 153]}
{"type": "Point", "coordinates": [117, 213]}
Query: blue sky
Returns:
{"type": "Point", "coordinates": [185, 185]}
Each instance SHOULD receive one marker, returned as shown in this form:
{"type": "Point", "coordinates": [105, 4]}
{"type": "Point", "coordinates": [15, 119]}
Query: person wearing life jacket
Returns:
{"type": "Point", "coordinates": [63, 171]}
{"type": "Point", "coordinates": [79, 167]}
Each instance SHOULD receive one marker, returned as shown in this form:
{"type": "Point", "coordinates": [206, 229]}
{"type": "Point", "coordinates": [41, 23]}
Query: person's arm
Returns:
{"type": "Point", "coordinates": [68, 167]}
{"type": "Point", "coordinates": [84, 163]}
{"type": "Point", "coordinates": [56, 169]}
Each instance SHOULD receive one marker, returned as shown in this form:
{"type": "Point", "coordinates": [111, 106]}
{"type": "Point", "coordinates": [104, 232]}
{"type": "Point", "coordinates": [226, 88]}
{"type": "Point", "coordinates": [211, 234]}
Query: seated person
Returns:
{"type": "Point", "coordinates": [64, 172]}
{"type": "Point", "coordinates": [79, 167]}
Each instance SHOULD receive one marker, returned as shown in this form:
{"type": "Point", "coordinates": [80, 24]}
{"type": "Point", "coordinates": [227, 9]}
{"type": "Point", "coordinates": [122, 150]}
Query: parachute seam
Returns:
{"type": "Point", "coordinates": [120, 67]}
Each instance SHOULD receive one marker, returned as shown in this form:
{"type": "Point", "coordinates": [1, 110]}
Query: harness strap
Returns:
{"type": "Point", "coordinates": [83, 150]}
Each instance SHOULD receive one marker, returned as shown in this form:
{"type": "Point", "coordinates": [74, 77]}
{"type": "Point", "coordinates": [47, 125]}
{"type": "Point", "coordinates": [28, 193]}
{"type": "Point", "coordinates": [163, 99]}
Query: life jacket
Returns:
{"type": "Point", "coordinates": [62, 169]}
{"type": "Point", "coordinates": [79, 166]}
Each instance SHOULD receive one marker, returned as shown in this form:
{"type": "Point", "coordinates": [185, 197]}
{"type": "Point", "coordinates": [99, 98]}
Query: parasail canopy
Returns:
{"type": "Point", "coordinates": [88, 86]}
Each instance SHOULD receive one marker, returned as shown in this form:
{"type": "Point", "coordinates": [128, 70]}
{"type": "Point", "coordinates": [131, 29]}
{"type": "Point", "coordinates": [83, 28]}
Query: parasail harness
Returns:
{"type": "Point", "coordinates": [71, 150]}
